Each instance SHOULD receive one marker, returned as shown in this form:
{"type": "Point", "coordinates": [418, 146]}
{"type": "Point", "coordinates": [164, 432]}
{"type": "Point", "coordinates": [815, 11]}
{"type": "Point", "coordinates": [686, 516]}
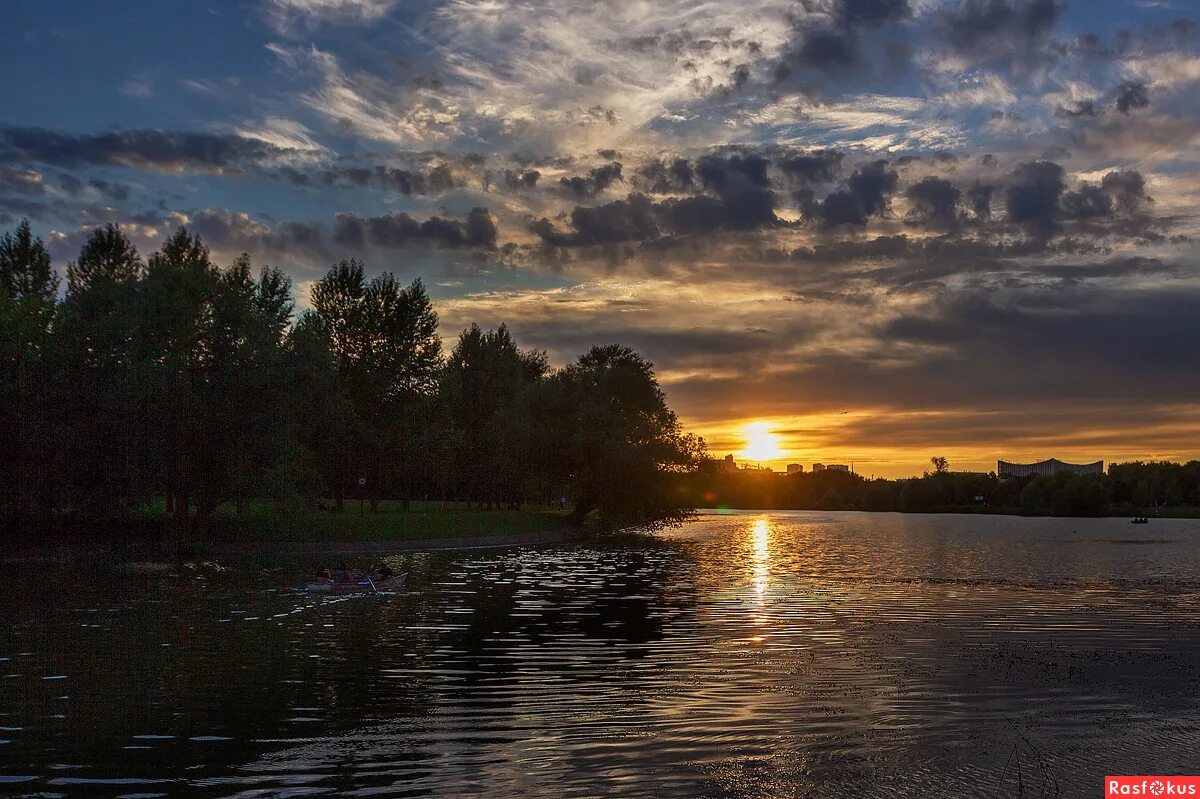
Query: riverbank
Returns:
{"type": "Point", "coordinates": [391, 546]}
{"type": "Point", "coordinates": [389, 522]}
{"type": "Point", "coordinates": [259, 528]}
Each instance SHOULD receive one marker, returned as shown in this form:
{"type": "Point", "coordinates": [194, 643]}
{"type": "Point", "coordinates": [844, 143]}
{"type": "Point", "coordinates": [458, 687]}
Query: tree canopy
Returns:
{"type": "Point", "coordinates": [178, 383]}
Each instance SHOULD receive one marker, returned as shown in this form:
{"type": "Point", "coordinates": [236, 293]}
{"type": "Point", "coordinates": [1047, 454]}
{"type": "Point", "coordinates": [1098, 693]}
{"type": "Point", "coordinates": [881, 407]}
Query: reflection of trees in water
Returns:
{"type": "Point", "coordinates": [170, 658]}
{"type": "Point", "coordinates": [608, 596]}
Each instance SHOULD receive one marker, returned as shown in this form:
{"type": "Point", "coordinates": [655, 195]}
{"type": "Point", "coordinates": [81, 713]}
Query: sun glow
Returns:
{"type": "Point", "coordinates": [761, 443]}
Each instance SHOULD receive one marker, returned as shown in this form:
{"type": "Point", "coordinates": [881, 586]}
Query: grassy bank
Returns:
{"type": "Point", "coordinates": [149, 533]}
{"type": "Point", "coordinates": [259, 521]}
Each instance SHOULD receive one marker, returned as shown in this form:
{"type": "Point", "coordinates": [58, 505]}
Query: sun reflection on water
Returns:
{"type": "Point", "coordinates": [760, 557]}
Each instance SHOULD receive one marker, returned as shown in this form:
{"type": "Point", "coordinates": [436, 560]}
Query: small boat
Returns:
{"type": "Point", "coordinates": [1139, 520]}
{"type": "Point", "coordinates": [366, 585]}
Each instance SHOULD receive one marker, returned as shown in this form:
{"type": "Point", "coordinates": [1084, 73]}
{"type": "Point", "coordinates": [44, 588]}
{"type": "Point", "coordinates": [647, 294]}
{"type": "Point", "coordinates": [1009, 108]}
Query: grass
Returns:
{"type": "Point", "coordinates": [259, 522]}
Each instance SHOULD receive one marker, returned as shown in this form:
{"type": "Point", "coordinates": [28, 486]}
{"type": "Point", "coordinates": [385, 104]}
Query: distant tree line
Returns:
{"type": "Point", "coordinates": [175, 382]}
{"type": "Point", "coordinates": [1126, 489]}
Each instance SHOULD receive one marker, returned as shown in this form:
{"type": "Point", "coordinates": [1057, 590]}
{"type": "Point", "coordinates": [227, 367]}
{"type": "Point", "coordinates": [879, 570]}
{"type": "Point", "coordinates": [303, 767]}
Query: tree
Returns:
{"type": "Point", "coordinates": [108, 256]}
{"type": "Point", "coordinates": [242, 383]}
{"type": "Point", "coordinates": [940, 464]}
{"type": "Point", "coordinates": [625, 441]}
{"type": "Point", "coordinates": [385, 343]}
{"type": "Point", "coordinates": [28, 292]}
{"type": "Point", "coordinates": [485, 401]}
{"type": "Point", "coordinates": [178, 339]}
{"type": "Point", "coordinates": [101, 424]}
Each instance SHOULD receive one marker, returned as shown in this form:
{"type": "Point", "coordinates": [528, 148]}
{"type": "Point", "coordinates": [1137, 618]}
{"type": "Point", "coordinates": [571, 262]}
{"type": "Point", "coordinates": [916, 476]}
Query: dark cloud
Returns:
{"type": "Point", "coordinates": [739, 198]}
{"type": "Point", "coordinates": [829, 36]}
{"type": "Point", "coordinates": [1072, 349]}
{"type": "Point", "coordinates": [858, 13]}
{"type": "Point", "coordinates": [1087, 202]}
{"type": "Point", "coordinates": [392, 231]}
{"type": "Point", "coordinates": [633, 219]}
{"type": "Point", "coordinates": [1132, 96]}
{"type": "Point", "coordinates": [935, 200]}
{"type": "Point", "coordinates": [596, 181]}
{"type": "Point", "coordinates": [407, 181]}
{"type": "Point", "coordinates": [659, 176]}
{"type": "Point", "coordinates": [805, 169]}
{"type": "Point", "coordinates": [866, 194]}
{"type": "Point", "coordinates": [1117, 193]}
{"type": "Point", "coordinates": [1032, 196]}
{"type": "Point", "coordinates": [980, 198]}
{"type": "Point", "coordinates": [232, 231]}
{"type": "Point", "coordinates": [521, 178]}
{"type": "Point", "coordinates": [740, 76]}
{"type": "Point", "coordinates": [741, 183]}
{"type": "Point", "coordinates": [1127, 189]}
{"type": "Point", "coordinates": [1077, 340]}
{"type": "Point", "coordinates": [828, 48]}
{"type": "Point", "coordinates": [148, 149]}
{"type": "Point", "coordinates": [977, 25]}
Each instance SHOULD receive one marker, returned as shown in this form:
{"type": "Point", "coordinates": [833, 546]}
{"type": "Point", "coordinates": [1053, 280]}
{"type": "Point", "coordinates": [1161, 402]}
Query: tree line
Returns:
{"type": "Point", "coordinates": [173, 382]}
{"type": "Point", "coordinates": [1135, 488]}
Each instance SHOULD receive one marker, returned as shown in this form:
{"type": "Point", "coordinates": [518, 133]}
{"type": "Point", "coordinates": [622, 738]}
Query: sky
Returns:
{"type": "Point", "coordinates": [884, 229]}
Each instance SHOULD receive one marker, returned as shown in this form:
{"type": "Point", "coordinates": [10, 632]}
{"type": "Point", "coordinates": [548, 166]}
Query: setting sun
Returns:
{"type": "Point", "coordinates": [761, 443]}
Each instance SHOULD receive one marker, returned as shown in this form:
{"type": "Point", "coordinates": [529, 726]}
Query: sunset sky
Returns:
{"type": "Point", "coordinates": [882, 229]}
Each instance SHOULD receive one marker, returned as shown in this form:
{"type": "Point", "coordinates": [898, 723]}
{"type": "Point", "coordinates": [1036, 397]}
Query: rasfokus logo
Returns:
{"type": "Point", "coordinates": [1151, 786]}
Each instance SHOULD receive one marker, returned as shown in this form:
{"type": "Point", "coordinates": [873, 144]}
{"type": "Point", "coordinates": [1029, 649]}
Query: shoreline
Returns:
{"type": "Point", "coordinates": [390, 546]}
{"type": "Point", "coordinates": [68, 553]}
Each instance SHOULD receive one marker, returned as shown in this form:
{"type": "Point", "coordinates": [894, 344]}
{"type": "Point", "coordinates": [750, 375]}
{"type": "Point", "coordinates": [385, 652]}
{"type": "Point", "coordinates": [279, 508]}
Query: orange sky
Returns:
{"type": "Point", "coordinates": [833, 438]}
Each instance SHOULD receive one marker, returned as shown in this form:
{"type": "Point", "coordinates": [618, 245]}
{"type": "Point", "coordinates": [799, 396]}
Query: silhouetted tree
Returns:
{"type": "Point", "coordinates": [102, 437]}
{"type": "Point", "coordinates": [385, 343]}
{"type": "Point", "coordinates": [625, 440]}
{"type": "Point", "coordinates": [485, 399]}
{"type": "Point", "coordinates": [28, 287]}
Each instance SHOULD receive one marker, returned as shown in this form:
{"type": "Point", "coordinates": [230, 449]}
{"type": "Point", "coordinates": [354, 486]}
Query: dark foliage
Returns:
{"type": "Point", "coordinates": [175, 383]}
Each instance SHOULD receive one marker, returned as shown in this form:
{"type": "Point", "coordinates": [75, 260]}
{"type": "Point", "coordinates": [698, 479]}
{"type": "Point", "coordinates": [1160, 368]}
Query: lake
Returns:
{"type": "Point", "coordinates": [771, 654]}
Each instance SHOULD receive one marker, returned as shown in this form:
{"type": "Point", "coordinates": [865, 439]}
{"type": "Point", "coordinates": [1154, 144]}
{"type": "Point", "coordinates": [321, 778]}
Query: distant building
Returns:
{"type": "Point", "coordinates": [795, 468]}
{"type": "Point", "coordinates": [1046, 468]}
{"type": "Point", "coordinates": [818, 467]}
{"type": "Point", "coordinates": [837, 467]}
{"type": "Point", "coordinates": [728, 465]}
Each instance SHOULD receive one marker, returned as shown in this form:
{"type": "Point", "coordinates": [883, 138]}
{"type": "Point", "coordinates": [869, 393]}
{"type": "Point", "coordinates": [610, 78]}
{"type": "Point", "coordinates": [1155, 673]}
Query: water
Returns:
{"type": "Point", "coordinates": [750, 655]}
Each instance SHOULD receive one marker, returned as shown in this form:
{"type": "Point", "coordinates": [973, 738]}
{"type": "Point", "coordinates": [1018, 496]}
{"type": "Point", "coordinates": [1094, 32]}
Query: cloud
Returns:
{"type": "Point", "coordinates": [1033, 194]}
{"type": "Point", "coordinates": [392, 231]}
{"type": "Point", "coordinates": [666, 176]}
{"type": "Point", "coordinates": [817, 166]}
{"type": "Point", "coordinates": [1132, 96]}
{"type": "Point", "coordinates": [936, 199]}
{"type": "Point", "coordinates": [167, 151]}
{"type": "Point", "coordinates": [828, 34]}
{"type": "Point", "coordinates": [983, 24]}
{"type": "Point", "coordinates": [289, 15]}
{"type": "Point", "coordinates": [140, 86]}
{"type": "Point", "coordinates": [865, 194]}
{"type": "Point", "coordinates": [236, 231]}
{"type": "Point", "coordinates": [596, 181]}
{"type": "Point", "coordinates": [521, 178]}
{"type": "Point", "coordinates": [22, 181]}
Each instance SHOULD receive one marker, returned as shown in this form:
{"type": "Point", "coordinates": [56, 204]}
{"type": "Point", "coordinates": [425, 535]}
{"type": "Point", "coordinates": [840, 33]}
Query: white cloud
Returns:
{"type": "Point", "coordinates": [288, 15]}
{"type": "Point", "coordinates": [138, 86]}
